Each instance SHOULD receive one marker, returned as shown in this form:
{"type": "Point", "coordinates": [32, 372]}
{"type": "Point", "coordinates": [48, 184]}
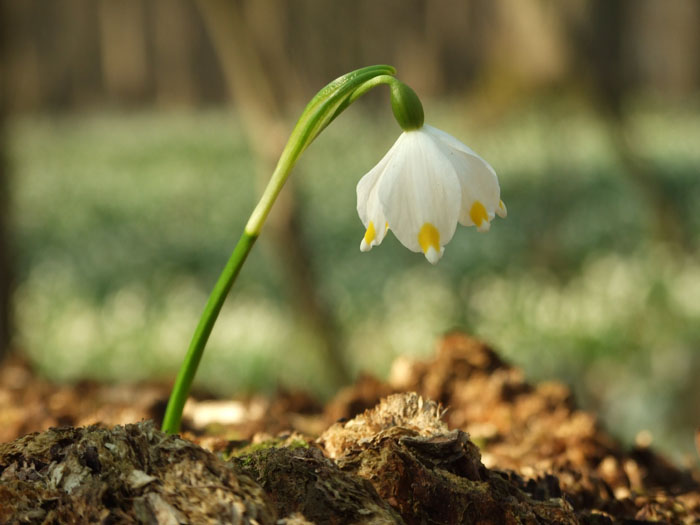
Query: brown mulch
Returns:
{"type": "Point", "coordinates": [465, 439]}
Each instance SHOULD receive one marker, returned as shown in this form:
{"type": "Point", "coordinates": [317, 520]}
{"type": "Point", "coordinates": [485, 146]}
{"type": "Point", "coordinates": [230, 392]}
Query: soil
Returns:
{"type": "Point", "coordinates": [462, 438]}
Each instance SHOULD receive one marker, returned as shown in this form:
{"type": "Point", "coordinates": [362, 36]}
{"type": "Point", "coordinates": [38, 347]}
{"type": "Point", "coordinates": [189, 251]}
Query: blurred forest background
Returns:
{"type": "Point", "coordinates": [137, 133]}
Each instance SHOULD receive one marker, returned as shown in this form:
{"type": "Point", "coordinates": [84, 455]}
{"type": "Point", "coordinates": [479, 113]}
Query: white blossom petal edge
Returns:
{"type": "Point", "coordinates": [426, 183]}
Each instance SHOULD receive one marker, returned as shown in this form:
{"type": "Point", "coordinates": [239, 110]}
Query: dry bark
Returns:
{"type": "Point", "coordinates": [131, 474]}
{"type": "Point", "coordinates": [504, 451]}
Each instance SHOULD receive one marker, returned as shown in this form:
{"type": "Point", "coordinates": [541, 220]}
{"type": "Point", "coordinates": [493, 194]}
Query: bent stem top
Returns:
{"type": "Point", "coordinates": [328, 103]}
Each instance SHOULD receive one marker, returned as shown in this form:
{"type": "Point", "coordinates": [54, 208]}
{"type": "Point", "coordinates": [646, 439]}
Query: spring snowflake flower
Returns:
{"type": "Point", "coordinates": [424, 185]}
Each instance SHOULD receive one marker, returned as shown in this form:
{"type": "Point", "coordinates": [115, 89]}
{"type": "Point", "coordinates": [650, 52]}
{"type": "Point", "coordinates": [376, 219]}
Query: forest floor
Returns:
{"type": "Point", "coordinates": [462, 438]}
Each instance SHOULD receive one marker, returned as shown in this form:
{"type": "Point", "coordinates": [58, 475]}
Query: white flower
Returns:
{"type": "Point", "coordinates": [424, 185]}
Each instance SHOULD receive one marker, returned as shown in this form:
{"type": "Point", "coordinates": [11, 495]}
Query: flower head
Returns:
{"type": "Point", "coordinates": [426, 183]}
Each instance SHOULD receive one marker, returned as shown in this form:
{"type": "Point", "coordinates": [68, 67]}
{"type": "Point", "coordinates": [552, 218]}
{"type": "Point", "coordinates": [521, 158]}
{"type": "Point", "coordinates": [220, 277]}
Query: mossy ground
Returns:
{"type": "Point", "coordinates": [405, 459]}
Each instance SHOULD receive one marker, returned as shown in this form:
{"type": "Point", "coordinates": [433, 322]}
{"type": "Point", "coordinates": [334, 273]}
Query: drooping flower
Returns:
{"type": "Point", "coordinates": [426, 183]}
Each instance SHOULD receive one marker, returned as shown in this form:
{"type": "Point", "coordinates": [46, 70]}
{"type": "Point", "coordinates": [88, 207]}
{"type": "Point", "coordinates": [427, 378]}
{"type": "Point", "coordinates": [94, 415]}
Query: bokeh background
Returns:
{"type": "Point", "coordinates": [136, 135]}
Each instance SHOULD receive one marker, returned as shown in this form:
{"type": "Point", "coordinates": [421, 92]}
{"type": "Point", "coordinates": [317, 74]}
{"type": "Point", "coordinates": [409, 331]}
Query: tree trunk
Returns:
{"type": "Point", "coordinates": [5, 274]}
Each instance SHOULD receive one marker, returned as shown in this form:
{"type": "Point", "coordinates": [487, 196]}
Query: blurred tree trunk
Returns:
{"type": "Point", "coordinates": [125, 66]}
{"type": "Point", "coordinates": [5, 273]}
{"type": "Point", "coordinates": [174, 71]}
{"type": "Point", "coordinates": [22, 72]}
{"type": "Point", "coordinates": [605, 50]}
{"type": "Point", "coordinates": [253, 89]}
{"type": "Point", "coordinates": [82, 56]}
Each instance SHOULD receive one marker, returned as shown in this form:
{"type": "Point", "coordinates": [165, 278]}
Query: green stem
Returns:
{"type": "Point", "coordinates": [321, 111]}
{"type": "Point", "coordinates": [181, 389]}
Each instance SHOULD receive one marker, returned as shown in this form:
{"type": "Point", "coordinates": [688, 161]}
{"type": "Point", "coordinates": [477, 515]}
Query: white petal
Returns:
{"type": "Point", "coordinates": [376, 226]}
{"type": "Point", "coordinates": [484, 226]}
{"type": "Point", "coordinates": [368, 205]}
{"type": "Point", "coordinates": [434, 256]}
{"type": "Point", "coordinates": [449, 140]}
{"type": "Point", "coordinates": [420, 186]}
{"type": "Point", "coordinates": [502, 211]}
{"type": "Point", "coordinates": [477, 179]}
{"type": "Point", "coordinates": [369, 181]}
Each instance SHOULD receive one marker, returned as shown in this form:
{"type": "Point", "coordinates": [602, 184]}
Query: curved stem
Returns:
{"type": "Point", "coordinates": [183, 382]}
{"type": "Point", "coordinates": [321, 111]}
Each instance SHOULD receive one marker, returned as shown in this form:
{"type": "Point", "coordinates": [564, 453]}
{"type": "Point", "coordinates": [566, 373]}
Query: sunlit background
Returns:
{"type": "Point", "coordinates": [137, 134]}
